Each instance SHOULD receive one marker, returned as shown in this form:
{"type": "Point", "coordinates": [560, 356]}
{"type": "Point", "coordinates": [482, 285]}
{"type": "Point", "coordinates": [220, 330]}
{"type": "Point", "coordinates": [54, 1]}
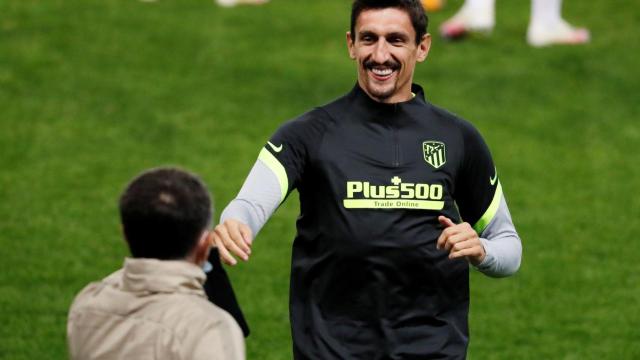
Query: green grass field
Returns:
{"type": "Point", "coordinates": [92, 92]}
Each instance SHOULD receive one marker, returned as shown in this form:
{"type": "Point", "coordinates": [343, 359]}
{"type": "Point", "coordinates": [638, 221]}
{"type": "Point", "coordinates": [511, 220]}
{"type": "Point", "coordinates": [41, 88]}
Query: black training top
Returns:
{"type": "Point", "coordinates": [367, 281]}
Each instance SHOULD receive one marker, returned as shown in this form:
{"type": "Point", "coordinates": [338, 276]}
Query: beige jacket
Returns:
{"type": "Point", "coordinates": [151, 309]}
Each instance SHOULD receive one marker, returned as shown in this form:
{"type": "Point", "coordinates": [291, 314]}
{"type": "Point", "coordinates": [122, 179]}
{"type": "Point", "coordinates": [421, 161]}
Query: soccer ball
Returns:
{"type": "Point", "coordinates": [432, 5]}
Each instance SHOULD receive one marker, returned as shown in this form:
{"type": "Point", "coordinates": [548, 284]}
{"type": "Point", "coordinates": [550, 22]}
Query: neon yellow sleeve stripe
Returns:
{"type": "Point", "coordinates": [268, 159]}
{"type": "Point", "coordinates": [491, 211]}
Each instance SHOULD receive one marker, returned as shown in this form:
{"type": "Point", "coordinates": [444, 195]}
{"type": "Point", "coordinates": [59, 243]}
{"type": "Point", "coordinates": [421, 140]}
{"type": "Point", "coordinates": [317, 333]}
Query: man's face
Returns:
{"type": "Point", "coordinates": [384, 47]}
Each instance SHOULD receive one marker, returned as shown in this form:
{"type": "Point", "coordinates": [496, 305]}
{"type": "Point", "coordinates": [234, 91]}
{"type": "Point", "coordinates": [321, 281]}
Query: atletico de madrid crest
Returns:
{"type": "Point", "coordinates": [434, 153]}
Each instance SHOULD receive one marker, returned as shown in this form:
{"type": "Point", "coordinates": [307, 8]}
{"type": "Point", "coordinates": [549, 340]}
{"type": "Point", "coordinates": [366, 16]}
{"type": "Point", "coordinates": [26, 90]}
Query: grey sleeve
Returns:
{"type": "Point", "coordinates": [257, 200]}
{"type": "Point", "coordinates": [502, 245]}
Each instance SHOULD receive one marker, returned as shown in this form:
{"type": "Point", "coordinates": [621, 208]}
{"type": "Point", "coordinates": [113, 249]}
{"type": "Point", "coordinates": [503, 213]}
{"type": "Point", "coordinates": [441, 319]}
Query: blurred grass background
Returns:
{"type": "Point", "coordinates": [93, 92]}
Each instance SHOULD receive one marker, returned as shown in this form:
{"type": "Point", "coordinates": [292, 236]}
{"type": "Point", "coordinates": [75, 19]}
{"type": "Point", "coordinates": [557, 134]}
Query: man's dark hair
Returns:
{"type": "Point", "coordinates": [414, 8]}
{"type": "Point", "coordinates": [164, 212]}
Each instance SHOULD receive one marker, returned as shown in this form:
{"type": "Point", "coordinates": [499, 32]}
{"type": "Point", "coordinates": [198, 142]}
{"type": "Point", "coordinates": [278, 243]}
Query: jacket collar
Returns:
{"type": "Point", "coordinates": [162, 276]}
{"type": "Point", "coordinates": [371, 110]}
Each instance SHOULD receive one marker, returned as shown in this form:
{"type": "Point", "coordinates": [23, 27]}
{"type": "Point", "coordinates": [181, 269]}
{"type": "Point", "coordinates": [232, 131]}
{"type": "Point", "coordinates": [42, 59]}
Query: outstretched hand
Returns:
{"type": "Point", "coordinates": [232, 238]}
{"type": "Point", "coordinates": [460, 240]}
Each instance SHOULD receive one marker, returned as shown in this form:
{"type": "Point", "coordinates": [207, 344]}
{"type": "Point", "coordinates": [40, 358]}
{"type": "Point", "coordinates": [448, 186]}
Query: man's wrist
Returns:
{"type": "Point", "coordinates": [478, 260]}
{"type": "Point", "coordinates": [486, 260]}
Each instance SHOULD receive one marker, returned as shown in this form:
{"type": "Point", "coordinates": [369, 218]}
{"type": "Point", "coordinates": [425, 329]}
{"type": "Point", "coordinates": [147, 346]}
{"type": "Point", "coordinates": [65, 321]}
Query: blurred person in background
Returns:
{"type": "Point", "coordinates": [398, 199]}
{"type": "Point", "coordinates": [230, 3]}
{"type": "Point", "coordinates": [546, 25]}
{"type": "Point", "coordinates": [155, 307]}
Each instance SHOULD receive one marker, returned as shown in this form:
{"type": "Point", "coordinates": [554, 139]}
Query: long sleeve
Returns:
{"type": "Point", "coordinates": [277, 171]}
{"type": "Point", "coordinates": [257, 200]}
{"type": "Point", "coordinates": [501, 243]}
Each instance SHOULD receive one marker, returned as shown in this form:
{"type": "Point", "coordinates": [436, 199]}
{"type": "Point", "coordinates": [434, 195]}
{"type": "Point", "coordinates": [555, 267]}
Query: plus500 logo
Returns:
{"type": "Point", "coordinates": [363, 189]}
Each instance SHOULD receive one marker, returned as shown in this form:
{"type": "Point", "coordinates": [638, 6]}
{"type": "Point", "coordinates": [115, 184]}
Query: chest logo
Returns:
{"type": "Point", "coordinates": [397, 195]}
{"type": "Point", "coordinates": [434, 153]}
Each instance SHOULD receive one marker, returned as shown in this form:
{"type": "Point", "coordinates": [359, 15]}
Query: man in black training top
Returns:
{"type": "Point", "coordinates": [397, 198]}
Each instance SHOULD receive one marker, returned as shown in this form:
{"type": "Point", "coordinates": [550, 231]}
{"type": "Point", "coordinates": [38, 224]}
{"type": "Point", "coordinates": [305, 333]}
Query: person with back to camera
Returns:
{"type": "Point", "coordinates": [155, 307]}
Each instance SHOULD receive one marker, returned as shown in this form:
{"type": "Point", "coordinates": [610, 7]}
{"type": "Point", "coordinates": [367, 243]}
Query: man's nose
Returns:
{"type": "Point", "coordinates": [381, 51]}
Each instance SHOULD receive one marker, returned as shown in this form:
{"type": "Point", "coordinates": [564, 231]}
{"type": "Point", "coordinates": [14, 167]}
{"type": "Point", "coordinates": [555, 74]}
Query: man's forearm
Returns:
{"type": "Point", "coordinates": [502, 245]}
{"type": "Point", "coordinates": [258, 198]}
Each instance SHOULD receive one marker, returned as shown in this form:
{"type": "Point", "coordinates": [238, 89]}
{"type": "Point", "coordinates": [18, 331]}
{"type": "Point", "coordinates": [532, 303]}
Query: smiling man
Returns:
{"type": "Point", "coordinates": [397, 198]}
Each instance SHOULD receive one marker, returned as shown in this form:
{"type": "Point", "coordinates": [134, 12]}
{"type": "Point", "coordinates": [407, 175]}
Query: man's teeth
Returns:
{"type": "Point", "coordinates": [382, 72]}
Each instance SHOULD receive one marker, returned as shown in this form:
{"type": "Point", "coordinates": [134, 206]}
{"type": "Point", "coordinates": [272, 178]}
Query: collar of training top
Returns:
{"type": "Point", "coordinates": [361, 103]}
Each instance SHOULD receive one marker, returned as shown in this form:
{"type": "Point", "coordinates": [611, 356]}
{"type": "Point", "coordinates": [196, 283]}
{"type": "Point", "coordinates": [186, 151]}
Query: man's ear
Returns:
{"type": "Point", "coordinates": [350, 44]}
{"type": "Point", "coordinates": [202, 248]}
{"type": "Point", "coordinates": [423, 47]}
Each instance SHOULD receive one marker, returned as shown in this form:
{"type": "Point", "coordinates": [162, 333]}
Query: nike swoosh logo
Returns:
{"type": "Point", "coordinates": [493, 180]}
{"type": "Point", "coordinates": [275, 148]}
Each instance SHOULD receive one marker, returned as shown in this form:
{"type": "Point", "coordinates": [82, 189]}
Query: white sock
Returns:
{"type": "Point", "coordinates": [479, 4]}
{"type": "Point", "coordinates": [477, 14]}
{"type": "Point", "coordinates": [547, 27]}
{"type": "Point", "coordinates": [545, 13]}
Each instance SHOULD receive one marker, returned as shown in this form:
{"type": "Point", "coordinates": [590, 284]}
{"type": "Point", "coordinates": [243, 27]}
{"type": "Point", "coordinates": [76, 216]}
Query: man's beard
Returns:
{"type": "Point", "coordinates": [387, 89]}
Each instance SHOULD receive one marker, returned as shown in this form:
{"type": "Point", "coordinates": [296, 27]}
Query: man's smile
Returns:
{"type": "Point", "coordinates": [381, 72]}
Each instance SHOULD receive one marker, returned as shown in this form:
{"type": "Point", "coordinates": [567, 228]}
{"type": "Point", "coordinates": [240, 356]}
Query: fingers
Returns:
{"type": "Point", "coordinates": [442, 239]}
{"type": "Point", "coordinates": [233, 238]}
{"type": "Point", "coordinates": [225, 256]}
{"type": "Point", "coordinates": [452, 238]}
{"type": "Point", "coordinates": [445, 221]}
{"type": "Point", "coordinates": [448, 231]}
{"type": "Point", "coordinates": [247, 234]}
{"type": "Point", "coordinates": [238, 239]}
{"type": "Point", "coordinates": [460, 241]}
{"type": "Point", "coordinates": [467, 248]}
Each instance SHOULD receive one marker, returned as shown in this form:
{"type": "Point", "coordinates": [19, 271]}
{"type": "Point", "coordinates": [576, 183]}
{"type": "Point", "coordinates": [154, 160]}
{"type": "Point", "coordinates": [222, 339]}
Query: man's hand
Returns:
{"type": "Point", "coordinates": [460, 240]}
{"type": "Point", "coordinates": [232, 237]}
